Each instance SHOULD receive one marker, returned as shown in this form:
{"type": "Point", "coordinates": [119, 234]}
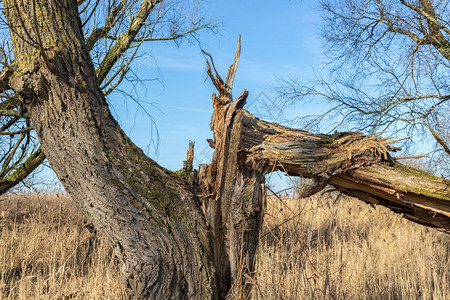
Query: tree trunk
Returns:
{"type": "Point", "coordinates": [232, 194]}
{"type": "Point", "coordinates": [151, 218]}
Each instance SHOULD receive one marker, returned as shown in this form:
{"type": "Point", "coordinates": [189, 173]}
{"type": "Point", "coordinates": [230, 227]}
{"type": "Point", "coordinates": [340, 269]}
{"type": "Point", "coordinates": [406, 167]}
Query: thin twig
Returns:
{"type": "Point", "coordinates": [412, 156]}
{"type": "Point", "coordinates": [398, 140]}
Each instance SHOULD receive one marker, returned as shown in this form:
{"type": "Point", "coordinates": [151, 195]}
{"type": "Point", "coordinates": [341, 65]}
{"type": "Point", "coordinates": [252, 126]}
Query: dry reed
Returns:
{"type": "Point", "coordinates": [315, 248]}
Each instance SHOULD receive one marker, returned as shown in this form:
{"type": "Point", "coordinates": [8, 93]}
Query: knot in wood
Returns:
{"type": "Point", "coordinates": [29, 87]}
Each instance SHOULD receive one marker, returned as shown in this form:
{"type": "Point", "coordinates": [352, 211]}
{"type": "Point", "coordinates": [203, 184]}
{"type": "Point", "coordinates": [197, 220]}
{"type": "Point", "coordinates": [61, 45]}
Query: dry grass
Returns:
{"type": "Point", "coordinates": [348, 250]}
{"type": "Point", "coordinates": [310, 249]}
{"type": "Point", "coordinates": [46, 252]}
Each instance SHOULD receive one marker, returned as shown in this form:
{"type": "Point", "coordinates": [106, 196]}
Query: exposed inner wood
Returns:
{"type": "Point", "coordinates": [232, 194]}
{"type": "Point", "coordinates": [355, 164]}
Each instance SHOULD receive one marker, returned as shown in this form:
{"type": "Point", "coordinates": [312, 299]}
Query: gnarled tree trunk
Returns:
{"type": "Point", "coordinates": [151, 218]}
{"type": "Point", "coordinates": [172, 243]}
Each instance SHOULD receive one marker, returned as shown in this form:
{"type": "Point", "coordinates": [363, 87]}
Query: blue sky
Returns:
{"type": "Point", "coordinates": [278, 40]}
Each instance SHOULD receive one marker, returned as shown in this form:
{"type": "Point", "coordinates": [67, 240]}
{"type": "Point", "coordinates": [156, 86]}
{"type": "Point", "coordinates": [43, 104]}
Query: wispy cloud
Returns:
{"type": "Point", "coordinates": [188, 108]}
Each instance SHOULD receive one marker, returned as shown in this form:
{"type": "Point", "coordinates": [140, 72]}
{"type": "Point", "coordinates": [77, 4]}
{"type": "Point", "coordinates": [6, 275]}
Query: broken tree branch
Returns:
{"type": "Point", "coordinates": [353, 163]}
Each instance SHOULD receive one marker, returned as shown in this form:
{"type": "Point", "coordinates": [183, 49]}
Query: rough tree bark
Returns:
{"type": "Point", "coordinates": [173, 243]}
{"type": "Point", "coordinates": [232, 194]}
{"type": "Point", "coordinates": [149, 215]}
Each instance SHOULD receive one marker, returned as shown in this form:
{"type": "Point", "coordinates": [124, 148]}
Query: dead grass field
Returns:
{"type": "Point", "coordinates": [316, 248]}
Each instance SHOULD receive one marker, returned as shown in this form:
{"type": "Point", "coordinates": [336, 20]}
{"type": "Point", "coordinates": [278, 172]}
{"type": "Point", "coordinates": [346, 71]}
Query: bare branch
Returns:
{"type": "Point", "coordinates": [6, 164]}
{"type": "Point", "coordinates": [412, 156]}
{"type": "Point", "coordinates": [430, 18]}
{"type": "Point", "coordinates": [5, 75]}
{"type": "Point", "coordinates": [22, 171]}
{"type": "Point", "coordinates": [173, 36]}
{"type": "Point", "coordinates": [125, 41]}
{"type": "Point", "coordinates": [23, 130]}
{"type": "Point", "coordinates": [388, 71]}
{"type": "Point", "coordinates": [102, 32]}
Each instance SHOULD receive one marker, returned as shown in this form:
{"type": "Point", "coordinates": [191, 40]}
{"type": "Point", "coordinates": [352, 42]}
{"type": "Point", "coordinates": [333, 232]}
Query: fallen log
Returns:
{"type": "Point", "coordinates": [353, 163]}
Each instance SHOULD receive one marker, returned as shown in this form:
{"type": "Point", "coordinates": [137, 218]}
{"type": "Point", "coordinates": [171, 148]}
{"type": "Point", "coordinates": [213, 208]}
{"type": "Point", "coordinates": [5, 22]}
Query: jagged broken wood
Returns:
{"type": "Point", "coordinates": [232, 194]}
{"type": "Point", "coordinates": [246, 149]}
{"type": "Point", "coordinates": [353, 163]}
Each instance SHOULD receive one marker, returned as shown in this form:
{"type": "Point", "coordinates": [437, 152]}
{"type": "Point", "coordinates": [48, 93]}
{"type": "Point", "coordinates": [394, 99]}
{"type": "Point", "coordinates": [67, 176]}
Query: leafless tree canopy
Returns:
{"type": "Point", "coordinates": [114, 34]}
{"type": "Point", "coordinates": [388, 71]}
